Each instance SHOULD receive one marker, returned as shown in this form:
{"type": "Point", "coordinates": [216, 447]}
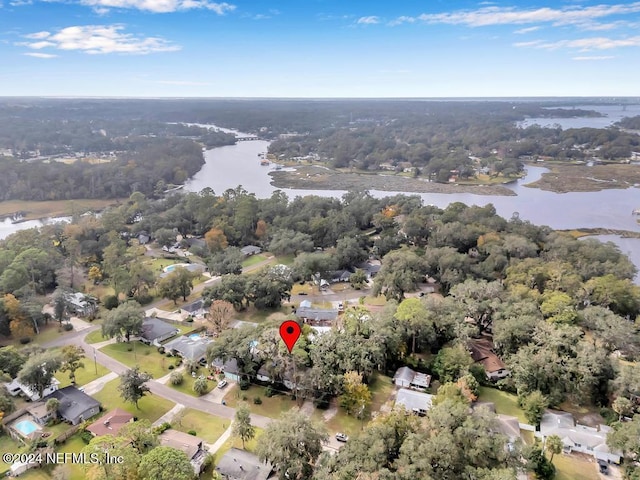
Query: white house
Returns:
{"type": "Point", "coordinates": [416, 402]}
{"type": "Point", "coordinates": [405, 377]}
{"type": "Point", "coordinates": [15, 387]}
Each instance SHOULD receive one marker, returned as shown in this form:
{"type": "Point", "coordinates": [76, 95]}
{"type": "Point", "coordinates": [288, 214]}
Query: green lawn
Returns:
{"type": "Point", "coordinates": [506, 403]}
{"type": "Point", "coordinates": [572, 467]}
{"type": "Point", "coordinates": [380, 300]}
{"type": "Point", "coordinates": [38, 474]}
{"type": "Point", "coordinates": [145, 356]}
{"type": "Point", "coordinates": [341, 422]}
{"type": "Point", "coordinates": [84, 375]}
{"type": "Point", "coordinates": [74, 444]}
{"type": "Point", "coordinates": [258, 316]}
{"type": "Point", "coordinates": [381, 389]}
{"type": "Point", "coordinates": [286, 259]}
{"type": "Point", "coordinates": [8, 445]}
{"type": "Point", "coordinates": [47, 333]}
{"type": "Point", "coordinates": [150, 406]}
{"type": "Point", "coordinates": [253, 260]}
{"type": "Point", "coordinates": [187, 385]}
{"type": "Point", "coordinates": [95, 337]}
{"type": "Point", "coordinates": [206, 426]}
{"type": "Point", "coordinates": [270, 407]}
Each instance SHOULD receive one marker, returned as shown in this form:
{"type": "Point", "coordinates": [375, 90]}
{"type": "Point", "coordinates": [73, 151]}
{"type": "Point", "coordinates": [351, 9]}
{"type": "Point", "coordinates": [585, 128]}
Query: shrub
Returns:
{"type": "Point", "coordinates": [200, 386]}
{"type": "Point", "coordinates": [190, 319]}
{"type": "Point", "coordinates": [162, 428]}
{"type": "Point", "coordinates": [244, 398]}
{"type": "Point", "coordinates": [171, 367]}
{"type": "Point", "coordinates": [129, 348]}
{"type": "Point", "coordinates": [244, 384]}
{"type": "Point", "coordinates": [110, 302]}
{"type": "Point", "coordinates": [257, 401]}
{"type": "Point", "coordinates": [86, 436]}
{"type": "Point", "coordinates": [160, 350]}
{"type": "Point", "coordinates": [144, 299]}
{"type": "Point", "coordinates": [192, 432]}
{"type": "Point", "coordinates": [178, 361]}
{"type": "Point", "coordinates": [67, 327]}
{"type": "Point", "coordinates": [24, 340]}
{"type": "Point", "coordinates": [268, 392]}
{"type": "Point", "coordinates": [176, 378]}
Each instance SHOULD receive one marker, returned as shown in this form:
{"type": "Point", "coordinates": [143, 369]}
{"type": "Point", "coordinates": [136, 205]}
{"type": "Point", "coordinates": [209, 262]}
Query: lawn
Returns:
{"type": "Point", "coordinates": [47, 333]}
{"type": "Point", "coordinates": [150, 406]}
{"type": "Point", "coordinates": [145, 356]}
{"type": "Point", "coordinates": [286, 259]}
{"type": "Point", "coordinates": [258, 316]}
{"type": "Point", "coordinates": [341, 422]}
{"type": "Point", "coordinates": [270, 407]}
{"type": "Point", "coordinates": [381, 389]}
{"type": "Point", "coordinates": [206, 426]}
{"type": "Point", "coordinates": [572, 467]}
{"type": "Point", "coordinates": [307, 288]}
{"type": "Point", "coordinates": [506, 403]}
{"type": "Point", "coordinates": [83, 375]}
{"type": "Point", "coordinates": [95, 337]}
{"type": "Point", "coordinates": [187, 385]}
{"type": "Point", "coordinates": [74, 444]}
{"type": "Point", "coordinates": [8, 445]}
{"type": "Point", "coordinates": [379, 301]}
{"type": "Point", "coordinates": [254, 259]}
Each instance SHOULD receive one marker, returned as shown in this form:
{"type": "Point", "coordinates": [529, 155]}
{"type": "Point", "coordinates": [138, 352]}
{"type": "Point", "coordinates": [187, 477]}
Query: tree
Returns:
{"type": "Point", "coordinates": [60, 305]}
{"type": "Point", "coordinates": [553, 444]}
{"type": "Point", "coordinates": [52, 405]}
{"type": "Point", "coordinates": [95, 274]}
{"type": "Point", "coordinates": [100, 447]}
{"type": "Point", "coordinates": [11, 360]}
{"type": "Point", "coordinates": [358, 279]}
{"type": "Point", "coordinates": [165, 463]}
{"type": "Point", "coordinates": [37, 373]}
{"type": "Point", "coordinates": [132, 385]}
{"type": "Point", "coordinates": [219, 316]}
{"type": "Point", "coordinates": [401, 272]}
{"type": "Point", "coordinates": [292, 444]}
{"type": "Point", "coordinates": [534, 406]}
{"type": "Point", "coordinates": [20, 325]}
{"type": "Point", "coordinates": [623, 407]}
{"type": "Point", "coordinates": [176, 378]}
{"type": "Point", "coordinates": [242, 427]}
{"type": "Point", "coordinates": [165, 237]}
{"type": "Point", "coordinates": [176, 284]}
{"type": "Point", "coordinates": [452, 362]}
{"type": "Point", "coordinates": [72, 356]}
{"type": "Point", "coordinates": [626, 437]}
{"type": "Point", "coordinates": [142, 435]}
{"type": "Point", "coordinates": [538, 463]}
{"type": "Point", "coordinates": [356, 397]}
{"type": "Point", "coordinates": [200, 386]}
{"type": "Point", "coordinates": [123, 321]}
{"type": "Point", "coordinates": [413, 313]}
{"type": "Point", "coordinates": [558, 307]}
{"type": "Point", "coordinates": [288, 242]}
{"type": "Point", "coordinates": [231, 288]}
{"type": "Point", "coordinates": [6, 402]}
{"type": "Point", "coordinates": [349, 252]}
{"type": "Point", "coordinates": [269, 288]}
{"type": "Point", "coordinates": [226, 261]}
{"type": "Point", "coordinates": [216, 240]}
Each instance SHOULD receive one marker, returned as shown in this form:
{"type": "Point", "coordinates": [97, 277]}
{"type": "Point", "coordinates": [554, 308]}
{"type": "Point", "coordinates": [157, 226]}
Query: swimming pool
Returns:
{"type": "Point", "coordinates": [171, 268]}
{"type": "Point", "coordinates": [26, 427]}
{"type": "Point", "coordinates": [194, 336]}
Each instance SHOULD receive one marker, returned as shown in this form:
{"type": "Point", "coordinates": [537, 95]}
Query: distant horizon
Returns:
{"type": "Point", "coordinates": [470, 98]}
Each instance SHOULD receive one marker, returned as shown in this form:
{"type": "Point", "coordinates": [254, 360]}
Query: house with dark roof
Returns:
{"type": "Point", "coordinates": [407, 378]}
{"type": "Point", "coordinates": [195, 308]}
{"type": "Point", "coordinates": [481, 350]}
{"type": "Point", "coordinates": [192, 348]}
{"type": "Point", "coordinates": [317, 316]}
{"type": "Point", "coordinates": [239, 464]}
{"type": "Point", "coordinates": [415, 402]}
{"type": "Point", "coordinates": [339, 276]}
{"type": "Point", "coordinates": [144, 237]}
{"type": "Point", "coordinates": [370, 268]}
{"type": "Point", "coordinates": [111, 423]}
{"type": "Point", "coordinates": [229, 368]}
{"type": "Point", "coordinates": [75, 406]}
{"type": "Point", "coordinates": [155, 331]}
{"type": "Point", "coordinates": [191, 445]}
{"type": "Point", "coordinates": [250, 250]}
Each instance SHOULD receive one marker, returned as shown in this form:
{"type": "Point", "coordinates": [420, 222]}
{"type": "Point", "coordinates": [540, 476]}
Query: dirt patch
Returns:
{"type": "Point", "coordinates": [322, 178]}
{"type": "Point", "coordinates": [581, 178]}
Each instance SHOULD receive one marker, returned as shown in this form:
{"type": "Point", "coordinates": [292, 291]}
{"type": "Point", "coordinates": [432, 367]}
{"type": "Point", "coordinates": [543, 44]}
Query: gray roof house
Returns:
{"type": "Point", "coordinates": [578, 438]}
{"type": "Point", "coordinates": [239, 464]}
{"type": "Point", "coordinates": [155, 331]}
{"type": "Point", "coordinates": [339, 276]}
{"type": "Point", "coordinates": [192, 446]}
{"type": "Point", "coordinates": [405, 377]}
{"type": "Point", "coordinates": [187, 347]}
{"type": "Point", "coordinates": [195, 308]}
{"type": "Point", "coordinates": [250, 250]}
{"type": "Point", "coordinates": [75, 406]}
{"type": "Point", "coordinates": [416, 402]}
{"type": "Point", "coordinates": [317, 316]}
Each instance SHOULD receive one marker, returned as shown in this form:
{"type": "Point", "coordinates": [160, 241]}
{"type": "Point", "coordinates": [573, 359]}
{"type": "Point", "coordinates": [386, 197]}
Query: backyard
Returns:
{"type": "Point", "coordinates": [150, 406]}
{"type": "Point", "coordinates": [506, 403]}
{"type": "Point", "coordinates": [575, 467]}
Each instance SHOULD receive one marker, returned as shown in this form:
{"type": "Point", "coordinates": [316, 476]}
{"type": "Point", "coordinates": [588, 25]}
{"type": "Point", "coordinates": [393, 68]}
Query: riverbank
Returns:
{"type": "Point", "coordinates": [26, 210]}
{"type": "Point", "coordinates": [323, 178]}
{"type": "Point", "coordinates": [582, 178]}
{"type": "Point", "coordinates": [588, 232]}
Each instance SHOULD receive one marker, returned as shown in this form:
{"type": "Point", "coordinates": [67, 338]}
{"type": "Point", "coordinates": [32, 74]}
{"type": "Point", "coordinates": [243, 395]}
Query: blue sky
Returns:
{"type": "Point", "coordinates": [319, 48]}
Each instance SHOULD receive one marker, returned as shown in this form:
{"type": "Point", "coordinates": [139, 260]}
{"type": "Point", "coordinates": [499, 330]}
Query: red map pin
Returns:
{"type": "Point", "coordinates": [290, 333]}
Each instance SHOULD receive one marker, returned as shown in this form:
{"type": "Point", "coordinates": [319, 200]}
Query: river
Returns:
{"type": "Point", "coordinates": [613, 114]}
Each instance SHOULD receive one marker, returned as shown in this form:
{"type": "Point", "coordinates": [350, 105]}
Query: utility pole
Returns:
{"type": "Point", "coordinates": [95, 362]}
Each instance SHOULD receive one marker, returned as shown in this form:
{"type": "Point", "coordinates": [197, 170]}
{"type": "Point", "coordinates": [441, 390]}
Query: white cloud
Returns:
{"type": "Point", "coordinates": [486, 16]}
{"type": "Point", "coordinates": [183, 83]}
{"type": "Point", "coordinates": [372, 20]}
{"type": "Point", "coordinates": [99, 39]}
{"type": "Point", "coordinates": [527, 30]}
{"type": "Point", "coordinates": [584, 44]}
{"type": "Point", "coordinates": [161, 6]}
{"type": "Point", "coordinates": [40, 55]}
{"type": "Point", "coordinates": [593, 58]}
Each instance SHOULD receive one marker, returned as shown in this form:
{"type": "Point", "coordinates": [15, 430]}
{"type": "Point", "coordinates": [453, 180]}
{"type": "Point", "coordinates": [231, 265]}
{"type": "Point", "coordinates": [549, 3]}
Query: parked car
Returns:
{"type": "Point", "coordinates": [341, 437]}
{"type": "Point", "coordinates": [222, 383]}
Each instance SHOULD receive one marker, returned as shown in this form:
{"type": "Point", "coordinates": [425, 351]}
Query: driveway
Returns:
{"type": "Point", "coordinates": [217, 394]}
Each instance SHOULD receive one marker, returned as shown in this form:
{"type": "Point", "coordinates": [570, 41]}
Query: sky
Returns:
{"type": "Point", "coordinates": [319, 48]}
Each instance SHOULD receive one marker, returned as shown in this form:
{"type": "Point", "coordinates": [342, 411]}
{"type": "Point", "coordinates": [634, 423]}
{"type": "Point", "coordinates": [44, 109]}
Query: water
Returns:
{"type": "Point", "coordinates": [628, 246]}
{"type": "Point", "coordinates": [614, 113]}
{"type": "Point", "coordinates": [26, 427]}
{"type": "Point", "coordinates": [7, 227]}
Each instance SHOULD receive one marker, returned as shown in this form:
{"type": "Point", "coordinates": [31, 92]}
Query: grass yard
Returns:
{"type": "Point", "coordinates": [187, 385]}
{"type": "Point", "coordinates": [84, 375]}
{"type": "Point", "coordinates": [378, 301]}
{"type": "Point", "coordinates": [381, 389]}
{"type": "Point", "coordinates": [506, 403]}
{"type": "Point", "coordinates": [307, 288]}
{"type": "Point", "coordinates": [573, 467]}
{"type": "Point", "coordinates": [38, 474]}
{"type": "Point", "coordinates": [254, 259]}
{"type": "Point", "coordinates": [8, 445]}
{"type": "Point", "coordinates": [47, 333]}
{"type": "Point", "coordinates": [259, 316]}
{"type": "Point", "coordinates": [95, 337]}
{"type": "Point", "coordinates": [270, 407]}
{"type": "Point", "coordinates": [206, 426]}
{"type": "Point", "coordinates": [74, 444]}
{"type": "Point", "coordinates": [341, 422]}
{"type": "Point", "coordinates": [145, 356]}
{"type": "Point", "coordinates": [286, 259]}
{"type": "Point", "coordinates": [150, 406]}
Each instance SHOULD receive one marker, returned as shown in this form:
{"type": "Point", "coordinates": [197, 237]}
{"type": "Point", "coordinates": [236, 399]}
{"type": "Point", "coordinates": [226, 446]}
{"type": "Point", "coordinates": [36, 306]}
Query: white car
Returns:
{"type": "Point", "coordinates": [341, 437]}
{"type": "Point", "coordinates": [222, 383]}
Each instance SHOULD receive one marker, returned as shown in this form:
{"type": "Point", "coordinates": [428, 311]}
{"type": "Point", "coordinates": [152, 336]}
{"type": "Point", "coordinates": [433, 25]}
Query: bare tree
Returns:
{"type": "Point", "coordinates": [219, 316]}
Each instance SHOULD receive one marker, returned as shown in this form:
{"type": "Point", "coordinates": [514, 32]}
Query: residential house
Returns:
{"type": "Point", "coordinates": [339, 276]}
{"type": "Point", "coordinates": [15, 387]}
{"type": "Point", "coordinates": [194, 242]}
{"type": "Point", "coordinates": [144, 237]}
{"type": "Point", "coordinates": [229, 368]}
{"type": "Point", "coordinates": [191, 348]}
{"type": "Point", "coordinates": [416, 402]}
{"type": "Point", "coordinates": [481, 350]}
{"type": "Point", "coordinates": [370, 267]}
{"type": "Point", "coordinates": [75, 406]}
{"type": "Point", "coordinates": [578, 438]}
{"type": "Point", "coordinates": [509, 426]}
{"type": "Point", "coordinates": [194, 309]}
{"type": "Point", "coordinates": [250, 250]}
{"type": "Point", "coordinates": [155, 331]}
{"type": "Point", "coordinates": [39, 413]}
{"type": "Point", "coordinates": [81, 304]}
{"type": "Point", "coordinates": [317, 316]}
{"type": "Point", "coordinates": [111, 423]}
{"type": "Point", "coordinates": [406, 377]}
{"type": "Point", "coordinates": [192, 446]}
{"type": "Point", "coordinates": [239, 464]}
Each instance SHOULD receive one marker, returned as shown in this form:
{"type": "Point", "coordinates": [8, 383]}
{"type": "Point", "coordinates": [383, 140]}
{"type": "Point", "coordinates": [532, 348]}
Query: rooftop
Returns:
{"type": "Point", "coordinates": [192, 348]}
{"type": "Point", "coordinates": [73, 402]}
{"type": "Point", "coordinates": [412, 400]}
{"type": "Point", "coordinates": [239, 464]}
{"type": "Point", "coordinates": [153, 328]}
{"type": "Point", "coordinates": [184, 442]}
{"type": "Point", "coordinates": [111, 423]}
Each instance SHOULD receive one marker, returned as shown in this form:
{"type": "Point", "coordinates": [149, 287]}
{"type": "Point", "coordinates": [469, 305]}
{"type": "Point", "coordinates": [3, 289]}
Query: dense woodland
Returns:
{"type": "Point", "coordinates": [561, 313]}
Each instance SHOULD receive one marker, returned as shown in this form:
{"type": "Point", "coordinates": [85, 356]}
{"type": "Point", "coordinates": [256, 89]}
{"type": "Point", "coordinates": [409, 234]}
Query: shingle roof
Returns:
{"type": "Point", "coordinates": [73, 402]}
{"type": "Point", "coordinates": [193, 306]}
{"type": "Point", "coordinates": [317, 313]}
{"type": "Point", "coordinates": [184, 442]}
{"type": "Point", "coordinates": [250, 249]}
{"type": "Point", "coordinates": [191, 348]}
{"type": "Point", "coordinates": [111, 423]}
{"type": "Point", "coordinates": [153, 328]}
{"type": "Point", "coordinates": [238, 464]}
{"type": "Point", "coordinates": [412, 400]}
